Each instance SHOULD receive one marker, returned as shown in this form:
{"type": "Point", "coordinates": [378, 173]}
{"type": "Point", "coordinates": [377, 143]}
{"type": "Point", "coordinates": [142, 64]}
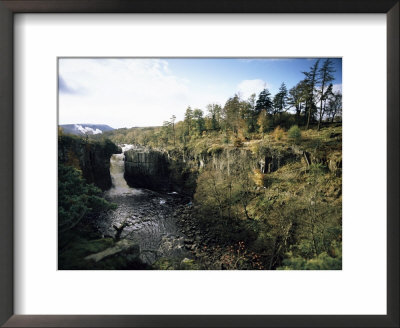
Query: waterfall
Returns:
{"type": "Point", "coordinates": [117, 170]}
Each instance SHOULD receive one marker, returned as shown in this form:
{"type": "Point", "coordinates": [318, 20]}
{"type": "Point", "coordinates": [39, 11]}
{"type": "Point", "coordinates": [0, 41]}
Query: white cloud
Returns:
{"type": "Point", "coordinates": [248, 87]}
{"type": "Point", "coordinates": [87, 129]}
{"type": "Point", "coordinates": [126, 92]}
{"type": "Point", "coordinates": [337, 87]}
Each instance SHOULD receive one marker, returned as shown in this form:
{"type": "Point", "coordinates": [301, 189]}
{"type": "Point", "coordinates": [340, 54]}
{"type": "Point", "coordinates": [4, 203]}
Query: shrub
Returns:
{"type": "Point", "coordinates": [238, 142]}
{"type": "Point", "coordinates": [77, 199]}
{"type": "Point", "coordinates": [321, 262]}
{"type": "Point", "coordinates": [294, 133]}
{"type": "Point", "coordinates": [278, 133]}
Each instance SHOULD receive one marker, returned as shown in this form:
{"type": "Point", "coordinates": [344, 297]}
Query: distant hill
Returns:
{"type": "Point", "coordinates": [82, 129]}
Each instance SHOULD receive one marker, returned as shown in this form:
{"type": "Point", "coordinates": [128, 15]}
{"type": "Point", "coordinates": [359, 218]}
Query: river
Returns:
{"type": "Point", "coordinates": [149, 216]}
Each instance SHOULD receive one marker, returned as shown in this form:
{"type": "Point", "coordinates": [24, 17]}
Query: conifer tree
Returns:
{"type": "Point", "coordinates": [280, 99]}
{"type": "Point", "coordinates": [311, 81]}
{"type": "Point", "coordinates": [264, 102]}
{"type": "Point", "coordinates": [188, 120]}
{"type": "Point", "coordinates": [325, 76]}
{"type": "Point", "coordinates": [199, 120]}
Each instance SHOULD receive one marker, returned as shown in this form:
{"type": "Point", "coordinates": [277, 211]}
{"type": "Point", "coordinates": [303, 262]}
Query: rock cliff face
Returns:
{"type": "Point", "coordinates": [146, 168]}
{"type": "Point", "coordinates": [92, 158]}
{"type": "Point", "coordinates": [157, 170]}
{"type": "Point", "coordinates": [162, 171]}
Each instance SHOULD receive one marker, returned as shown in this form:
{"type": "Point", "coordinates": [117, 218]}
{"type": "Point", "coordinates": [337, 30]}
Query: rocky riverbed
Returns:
{"type": "Point", "coordinates": [147, 218]}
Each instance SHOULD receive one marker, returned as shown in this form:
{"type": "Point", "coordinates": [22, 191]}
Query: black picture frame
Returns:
{"type": "Point", "coordinates": [10, 7]}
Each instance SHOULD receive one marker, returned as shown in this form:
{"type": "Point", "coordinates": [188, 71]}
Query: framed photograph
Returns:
{"type": "Point", "coordinates": [209, 164]}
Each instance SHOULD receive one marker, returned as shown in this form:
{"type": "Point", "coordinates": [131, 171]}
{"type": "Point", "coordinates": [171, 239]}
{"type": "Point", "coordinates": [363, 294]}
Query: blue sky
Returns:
{"type": "Point", "coordinates": [145, 92]}
{"type": "Point", "coordinates": [228, 72]}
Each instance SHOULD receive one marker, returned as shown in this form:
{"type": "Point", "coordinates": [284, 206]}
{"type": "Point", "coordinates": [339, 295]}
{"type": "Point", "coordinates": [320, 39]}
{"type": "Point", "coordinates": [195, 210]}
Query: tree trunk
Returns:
{"type": "Point", "coordinates": [320, 106]}
{"type": "Point", "coordinates": [309, 118]}
{"type": "Point", "coordinates": [320, 120]}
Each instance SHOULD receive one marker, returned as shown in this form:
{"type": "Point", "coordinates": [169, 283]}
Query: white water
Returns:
{"type": "Point", "coordinates": [117, 170]}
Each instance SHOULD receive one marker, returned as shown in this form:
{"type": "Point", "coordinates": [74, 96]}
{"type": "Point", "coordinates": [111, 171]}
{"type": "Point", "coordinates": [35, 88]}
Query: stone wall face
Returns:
{"type": "Point", "coordinates": [92, 158]}
{"type": "Point", "coordinates": [147, 169]}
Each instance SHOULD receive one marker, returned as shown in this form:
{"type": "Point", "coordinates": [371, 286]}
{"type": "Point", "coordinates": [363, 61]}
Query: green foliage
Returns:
{"type": "Point", "coordinates": [294, 133]}
{"type": "Point", "coordinates": [280, 100]}
{"type": "Point", "coordinates": [264, 102]}
{"type": "Point", "coordinates": [323, 261]}
{"type": "Point", "coordinates": [77, 199]}
{"type": "Point", "coordinates": [199, 121]}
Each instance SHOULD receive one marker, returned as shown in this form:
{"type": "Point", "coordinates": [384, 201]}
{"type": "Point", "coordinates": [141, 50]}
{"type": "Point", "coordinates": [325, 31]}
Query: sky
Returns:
{"type": "Point", "coordinates": [127, 92]}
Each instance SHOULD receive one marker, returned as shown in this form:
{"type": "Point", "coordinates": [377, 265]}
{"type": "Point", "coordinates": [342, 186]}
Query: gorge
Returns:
{"type": "Point", "coordinates": [147, 217]}
{"type": "Point", "coordinates": [215, 207]}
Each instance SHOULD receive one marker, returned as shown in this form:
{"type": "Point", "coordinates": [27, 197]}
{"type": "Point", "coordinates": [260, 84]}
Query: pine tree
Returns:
{"type": "Point", "coordinates": [280, 99]}
{"type": "Point", "coordinates": [250, 114]}
{"type": "Point", "coordinates": [188, 120]}
{"type": "Point", "coordinates": [264, 102]}
{"type": "Point", "coordinates": [325, 75]}
{"type": "Point", "coordinates": [311, 81]}
{"type": "Point", "coordinates": [199, 121]}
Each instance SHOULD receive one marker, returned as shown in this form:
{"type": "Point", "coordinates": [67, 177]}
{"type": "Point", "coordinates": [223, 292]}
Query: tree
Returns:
{"type": "Point", "coordinates": [188, 120]}
{"type": "Point", "coordinates": [264, 102]}
{"type": "Point", "coordinates": [295, 100]}
{"type": "Point", "coordinates": [172, 122]}
{"type": "Point", "coordinates": [77, 199]}
{"type": "Point", "coordinates": [232, 112]}
{"type": "Point", "coordinates": [325, 76]}
{"type": "Point", "coordinates": [335, 105]}
{"type": "Point", "coordinates": [263, 122]}
{"type": "Point", "coordinates": [311, 80]}
{"type": "Point", "coordinates": [165, 132]}
{"type": "Point", "coordinates": [199, 121]}
{"type": "Point", "coordinates": [280, 100]}
{"type": "Point", "coordinates": [250, 114]}
{"type": "Point", "coordinates": [214, 112]}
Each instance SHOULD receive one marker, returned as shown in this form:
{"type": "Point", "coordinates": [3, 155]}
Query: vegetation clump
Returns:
{"type": "Point", "coordinates": [77, 200]}
{"type": "Point", "coordinates": [278, 133]}
{"type": "Point", "coordinates": [294, 133]}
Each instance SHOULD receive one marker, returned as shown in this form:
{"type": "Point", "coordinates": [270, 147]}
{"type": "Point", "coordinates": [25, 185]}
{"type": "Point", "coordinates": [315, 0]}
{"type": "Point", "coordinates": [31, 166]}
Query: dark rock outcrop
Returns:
{"type": "Point", "coordinates": [91, 157]}
{"type": "Point", "coordinates": [146, 168]}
